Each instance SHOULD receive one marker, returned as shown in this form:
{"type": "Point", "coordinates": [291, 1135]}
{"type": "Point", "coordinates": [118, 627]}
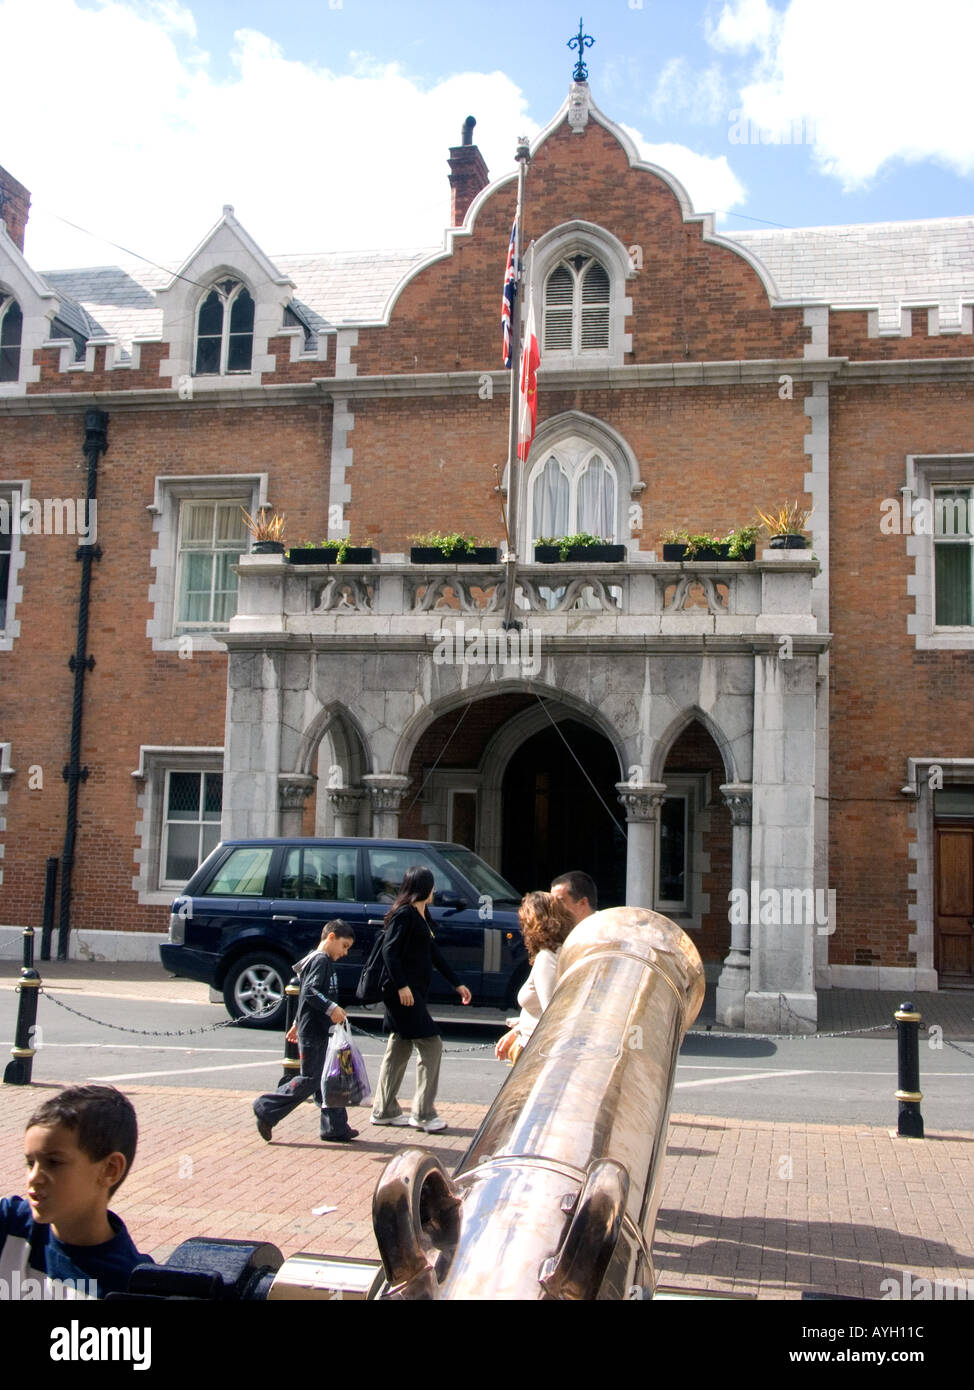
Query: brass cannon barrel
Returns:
{"type": "Point", "coordinates": [556, 1196]}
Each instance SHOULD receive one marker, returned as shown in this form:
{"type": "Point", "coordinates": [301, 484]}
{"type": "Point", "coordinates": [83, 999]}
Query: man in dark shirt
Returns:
{"type": "Point", "coordinates": [317, 1011]}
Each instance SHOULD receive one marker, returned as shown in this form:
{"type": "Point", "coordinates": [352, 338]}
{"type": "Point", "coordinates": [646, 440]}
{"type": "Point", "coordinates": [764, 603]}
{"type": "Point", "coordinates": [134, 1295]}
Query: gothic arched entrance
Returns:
{"type": "Point", "coordinates": [553, 817]}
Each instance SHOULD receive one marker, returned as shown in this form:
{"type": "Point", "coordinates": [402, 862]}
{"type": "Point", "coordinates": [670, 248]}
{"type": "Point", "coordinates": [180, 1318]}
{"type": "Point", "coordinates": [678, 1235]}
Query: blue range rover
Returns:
{"type": "Point", "coordinates": [254, 907]}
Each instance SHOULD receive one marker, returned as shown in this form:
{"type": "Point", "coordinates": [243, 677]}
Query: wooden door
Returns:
{"type": "Point", "coordinates": [954, 938]}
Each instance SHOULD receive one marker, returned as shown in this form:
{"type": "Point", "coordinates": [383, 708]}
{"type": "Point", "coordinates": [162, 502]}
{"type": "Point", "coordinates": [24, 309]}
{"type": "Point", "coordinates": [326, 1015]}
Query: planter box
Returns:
{"type": "Point", "coordinates": [789, 542]}
{"type": "Point", "coordinates": [433, 555]}
{"type": "Point", "coordinates": [580, 554]}
{"type": "Point", "coordinates": [325, 555]}
{"type": "Point", "coordinates": [267, 548]}
{"type": "Point", "coordinates": [672, 551]}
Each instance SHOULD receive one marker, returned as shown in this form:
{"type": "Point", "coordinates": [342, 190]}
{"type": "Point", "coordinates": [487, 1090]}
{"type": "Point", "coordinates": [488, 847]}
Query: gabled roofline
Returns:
{"type": "Point", "coordinates": [36, 281]}
{"type": "Point", "coordinates": [247, 243]}
{"type": "Point", "coordinates": [706, 219]}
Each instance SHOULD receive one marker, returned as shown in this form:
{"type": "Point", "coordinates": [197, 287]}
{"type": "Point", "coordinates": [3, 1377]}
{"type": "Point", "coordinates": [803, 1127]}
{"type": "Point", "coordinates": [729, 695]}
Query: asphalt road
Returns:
{"type": "Point", "coordinates": [815, 1080]}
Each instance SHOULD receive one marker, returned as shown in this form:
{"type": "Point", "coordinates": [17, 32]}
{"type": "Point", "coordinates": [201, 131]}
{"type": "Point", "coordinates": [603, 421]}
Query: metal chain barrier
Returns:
{"type": "Point", "coordinates": [709, 1032]}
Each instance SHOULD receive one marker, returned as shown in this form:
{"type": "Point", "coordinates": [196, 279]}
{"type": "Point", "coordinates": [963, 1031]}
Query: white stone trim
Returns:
{"type": "Point", "coordinates": [923, 473]}
{"type": "Point", "coordinates": [85, 944]}
{"type": "Point", "coordinates": [227, 251]}
{"type": "Point", "coordinates": [155, 760]}
{"type": "Point", "coordinates": [169, 492]}
{"type": "Point", "coordinates": [6, 772]}
{"type": "Point", "coordinates": [585, 238]}
{"type": "Point", "coordinates": [19, 490]}
{"type": "Point", "coordinates": [817, 319]}
{"type": "Point", "coordinates": [695, 786]}
{"type": "Point", "coordinates": [894, 977]}
{"type": "Point", "coordinates": [339, 488]}
{"type": "Point", "coordinates": [38, 304]}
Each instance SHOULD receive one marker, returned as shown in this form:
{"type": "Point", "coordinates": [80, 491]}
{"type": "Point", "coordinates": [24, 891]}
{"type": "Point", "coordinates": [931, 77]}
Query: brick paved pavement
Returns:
{"type": "Point", "coordinates": [747, 1207]}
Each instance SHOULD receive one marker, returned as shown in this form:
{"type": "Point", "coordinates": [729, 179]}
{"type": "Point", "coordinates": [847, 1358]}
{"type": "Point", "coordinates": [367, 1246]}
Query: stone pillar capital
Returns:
{"type": "Point", "coordinates": [386, 790]}
{"type": "Point", "coordinates": [738, 798]}
{"type": "Point", "coordinates": [641, 800]}
{"type": "Point", "coordinates": [293, 790]}
{"type": "Point", "coordinates": [345, 801]}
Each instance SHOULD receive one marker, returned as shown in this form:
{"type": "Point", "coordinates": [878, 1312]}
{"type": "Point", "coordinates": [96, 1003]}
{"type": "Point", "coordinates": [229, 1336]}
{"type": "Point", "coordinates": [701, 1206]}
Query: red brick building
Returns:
{"type": "Point", "coordinates": [731, 740]}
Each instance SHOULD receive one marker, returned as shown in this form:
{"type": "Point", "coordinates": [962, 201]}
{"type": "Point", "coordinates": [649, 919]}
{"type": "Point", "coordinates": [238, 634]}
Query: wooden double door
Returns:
{"type": "Point", "coordinates": [954, 934]}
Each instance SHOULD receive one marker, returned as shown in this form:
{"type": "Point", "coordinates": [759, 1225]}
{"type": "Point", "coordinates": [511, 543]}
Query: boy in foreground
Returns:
{"type": "Point", "coordinates": [317, 1011]}
{"type": "Point", "coordinates": [63, 1242]}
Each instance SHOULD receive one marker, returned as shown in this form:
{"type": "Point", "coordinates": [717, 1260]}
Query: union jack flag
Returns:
{"type": "Point", "coordinates": [510, 291]}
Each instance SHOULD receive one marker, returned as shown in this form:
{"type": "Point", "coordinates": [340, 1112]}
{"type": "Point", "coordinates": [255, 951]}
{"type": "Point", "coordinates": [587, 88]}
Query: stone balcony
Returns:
{"type": "Point", "coordinates": [396, 603]}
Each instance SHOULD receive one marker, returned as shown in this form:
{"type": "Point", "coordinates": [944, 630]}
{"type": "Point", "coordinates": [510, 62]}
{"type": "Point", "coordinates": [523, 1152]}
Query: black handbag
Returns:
{"type": "Point", "coordinates": [373, 976]}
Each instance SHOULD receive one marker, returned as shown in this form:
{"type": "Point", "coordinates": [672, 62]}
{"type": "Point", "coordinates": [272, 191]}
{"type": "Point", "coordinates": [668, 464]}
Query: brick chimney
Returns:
{"type": "Point", "coordinates": [468, 174]}
{"type": "Point", "coordinates": [14, 207]}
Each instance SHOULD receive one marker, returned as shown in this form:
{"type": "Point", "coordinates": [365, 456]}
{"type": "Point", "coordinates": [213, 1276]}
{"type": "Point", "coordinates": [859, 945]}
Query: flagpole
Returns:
{"type": "Point", "coordinates": [523, 157]}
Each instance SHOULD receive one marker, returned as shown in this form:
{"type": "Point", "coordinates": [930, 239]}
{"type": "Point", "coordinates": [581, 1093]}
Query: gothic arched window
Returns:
{"type": "Point", "coordinates": [573, 487]}
{"type": "Point", "coordinates": [577, 297]}
{"type": "Point", "coordinates": [225, 330]}
{"type": "Point", "coordinates": [11, 332]}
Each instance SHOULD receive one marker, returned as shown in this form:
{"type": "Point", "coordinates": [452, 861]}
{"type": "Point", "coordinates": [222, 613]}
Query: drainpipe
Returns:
{"type": "Point", "coordinates": [96, 443]}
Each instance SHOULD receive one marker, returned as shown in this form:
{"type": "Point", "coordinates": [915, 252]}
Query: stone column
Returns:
{"type": "Point", "coordinates": [735, 978]}
{"type": "Point", "coordinates": [345, 804]}
{"type": "Point", "coordinates": [293, 790]}
{"type": "Point", "coordinates": [386, 790]}
{"type": "Point", "coordinates": [642, 805]}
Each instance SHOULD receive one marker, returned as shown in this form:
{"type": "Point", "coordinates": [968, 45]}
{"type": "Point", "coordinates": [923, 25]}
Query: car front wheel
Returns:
{"type": "Point", "coordinates": [254, 990]}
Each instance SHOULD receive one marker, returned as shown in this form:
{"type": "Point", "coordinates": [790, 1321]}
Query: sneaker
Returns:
{"type": "Point", "coordinates": [264, 1130]}
{"type": "Point", "coordinates": [432, 1126]}
{"type": "Point", "coordinates": [345, 1138]}
{"type": "Point", "coordinates": [391, 1120]}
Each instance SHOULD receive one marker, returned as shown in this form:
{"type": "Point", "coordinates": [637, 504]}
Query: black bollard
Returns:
{"type": "Point", "coordinates": [909, 1095]}
{"type": "Point", "coordinates": [292, 1056]}
{"type": "Point", "coordinates": [18, 1072]}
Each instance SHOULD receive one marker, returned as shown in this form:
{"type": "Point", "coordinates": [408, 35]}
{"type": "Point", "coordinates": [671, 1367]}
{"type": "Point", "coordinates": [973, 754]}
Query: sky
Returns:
{"type": "Point", "coordinates": [326, 123]}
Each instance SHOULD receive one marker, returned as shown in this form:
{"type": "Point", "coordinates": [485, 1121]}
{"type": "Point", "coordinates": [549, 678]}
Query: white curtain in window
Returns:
{"type": "Point", "coordinates": [551, 501]}
{"type": "Point", "coordinates": [596, 509]}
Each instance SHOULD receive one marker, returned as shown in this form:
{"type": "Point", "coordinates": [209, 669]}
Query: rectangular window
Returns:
{"type": "Point", "coordinates": [320, 874]}
{"type": "Point", "coordinates": [953, 556]}
{"type": "Point", "coordinates": [243, 875]}
{"type": "Point", "coordinates": [194, 803]}
{"type": "Point", "coordinates": [673, 844]}
{"type": "Point", "coordinates": [212, 537]}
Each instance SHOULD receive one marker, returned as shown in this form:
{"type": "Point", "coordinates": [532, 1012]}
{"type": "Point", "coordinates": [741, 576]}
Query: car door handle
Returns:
{"type": "Point", "coordinates": [282, 917]}
{"type": "Point", "coordinates": [377, 921]}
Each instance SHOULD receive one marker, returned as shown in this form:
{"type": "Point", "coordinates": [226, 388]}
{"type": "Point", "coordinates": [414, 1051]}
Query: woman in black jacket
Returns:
{"type": "Point", "coordinates": [410, 953]}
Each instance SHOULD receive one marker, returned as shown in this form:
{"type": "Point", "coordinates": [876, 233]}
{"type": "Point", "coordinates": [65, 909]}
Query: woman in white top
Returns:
{"type": "Point", "coordinates": [545, 923]}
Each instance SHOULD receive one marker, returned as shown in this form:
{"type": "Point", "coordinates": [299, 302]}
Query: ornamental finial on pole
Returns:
{"type": "Point", "coordinates": [581, 41]}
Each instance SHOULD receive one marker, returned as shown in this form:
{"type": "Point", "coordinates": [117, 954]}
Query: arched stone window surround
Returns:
{"type": "Point", "coordinates": [11, 335]}
{"type": "Point", "coordinates": [582, 434]}
{"type": "Point", "coordinates": [587, 239]}
{"type": "Point", "coordinates": [232, 293]}
{"type": "Point", "coordinates": [663, 745]}
{"type": "Point", "coordinates": [38, 305]}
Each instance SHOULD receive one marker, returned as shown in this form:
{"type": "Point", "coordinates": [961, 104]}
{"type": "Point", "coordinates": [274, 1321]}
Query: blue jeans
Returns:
{"type": "Point", "coordinates": [274, 1105]}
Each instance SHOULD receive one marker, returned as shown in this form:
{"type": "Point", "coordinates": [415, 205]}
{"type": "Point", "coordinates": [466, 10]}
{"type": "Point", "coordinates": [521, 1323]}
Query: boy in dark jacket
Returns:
{"type": "Point", "coordinates": [62, 1241]}
{"type": "Point", "coordinates": [317, 1011]}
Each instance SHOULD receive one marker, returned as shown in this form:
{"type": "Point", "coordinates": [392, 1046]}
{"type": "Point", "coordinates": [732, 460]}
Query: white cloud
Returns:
{"type": "Point", "coordinates": [879, 80]}
{"type": "Point", "coordinates": [701, 96]}
{"type": "Point", "coordinates": [709, 180]}
{"type": "Point", "coordinates": [309, 159]}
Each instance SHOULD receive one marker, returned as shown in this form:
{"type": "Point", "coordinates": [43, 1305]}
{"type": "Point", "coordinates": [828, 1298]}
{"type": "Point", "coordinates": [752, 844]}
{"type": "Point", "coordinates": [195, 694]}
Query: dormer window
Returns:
{"type": "Point", "coordinates": [225, 330]}
{"type": "Point", "coordinates": [11, 332]}
{"type": "Point", "coordinates": [577, 297]}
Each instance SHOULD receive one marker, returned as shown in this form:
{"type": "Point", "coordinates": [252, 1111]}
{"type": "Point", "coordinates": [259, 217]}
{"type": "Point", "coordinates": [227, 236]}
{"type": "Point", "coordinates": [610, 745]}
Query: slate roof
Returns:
{"type": "Point", "coordinates": [873, 265]}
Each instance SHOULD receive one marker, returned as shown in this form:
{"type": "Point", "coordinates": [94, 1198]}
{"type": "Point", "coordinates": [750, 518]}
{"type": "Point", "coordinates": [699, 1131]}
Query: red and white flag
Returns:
{"type": "Point", "coordinates": [527, 415]}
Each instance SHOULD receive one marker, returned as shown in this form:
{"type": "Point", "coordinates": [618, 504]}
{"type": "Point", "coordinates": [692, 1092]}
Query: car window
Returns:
{"type": "Point", "coordinates": [319, 873]}
{"type": "Point", "coordinates": [388, 866]}
{"type": "Point", "coordinates": [485, 879]}
{"type": "Point", "coordinates": [243, 875]}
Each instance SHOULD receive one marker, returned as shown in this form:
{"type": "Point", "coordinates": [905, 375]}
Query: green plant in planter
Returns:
{"type": "Point", "coordinates": [449, 543]}
{"type": "Point", "coordinates": [740, 540]}
{"type": "Point", "coordinates": [340, 547]}
{"type": "Point", "coordinates": [701, 540]}
{"type": "Point", "coordinates": [583, 539]}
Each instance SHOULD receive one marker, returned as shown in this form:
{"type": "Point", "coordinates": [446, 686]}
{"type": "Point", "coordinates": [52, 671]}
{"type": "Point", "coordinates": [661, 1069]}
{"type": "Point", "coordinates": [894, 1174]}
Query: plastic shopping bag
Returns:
{"type": "Point", "coordinates": [344, 1080]}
